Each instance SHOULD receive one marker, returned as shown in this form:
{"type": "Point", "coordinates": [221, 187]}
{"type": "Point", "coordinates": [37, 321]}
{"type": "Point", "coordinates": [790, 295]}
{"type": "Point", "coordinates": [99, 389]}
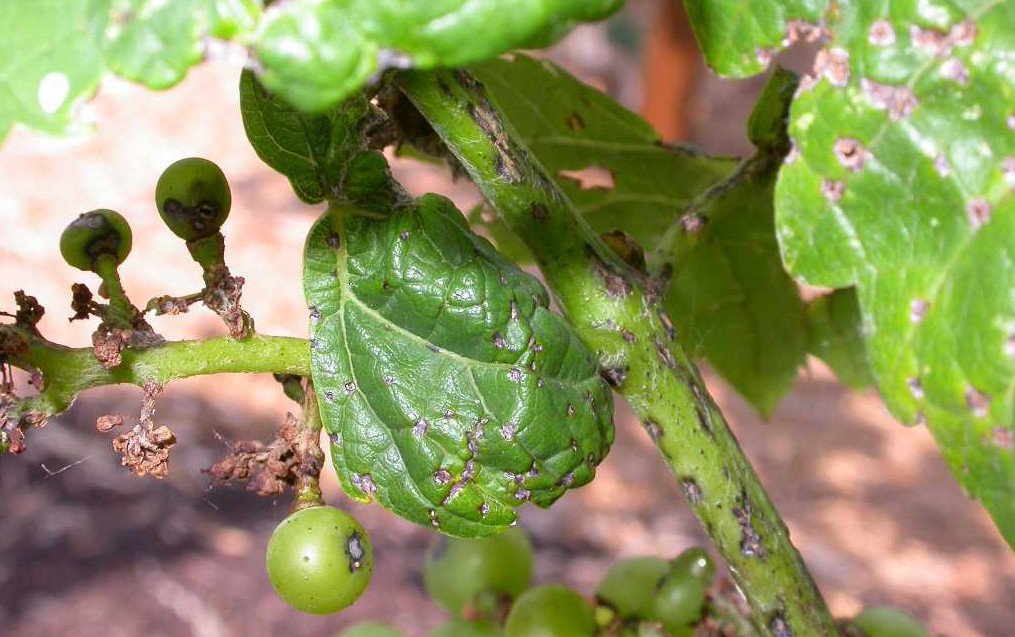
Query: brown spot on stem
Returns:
{"type": "Point", "coordinates": [615, 284]}
{"type": "Point", "coordinates": [750, 540]}
{"type": "Point", "coordinates": [539, 211]}
{"type": "Point", "coordinates": [691, 491]}
{"type": "Point", "coordinates": [665, 355]}
{"type": "Point", "coordinates": [615, 376]}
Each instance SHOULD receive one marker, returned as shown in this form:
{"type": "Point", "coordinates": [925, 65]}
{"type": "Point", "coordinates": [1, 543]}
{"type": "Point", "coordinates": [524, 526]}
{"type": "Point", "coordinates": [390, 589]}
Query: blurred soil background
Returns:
{"type": "Point", "coordinates": [86, 549]}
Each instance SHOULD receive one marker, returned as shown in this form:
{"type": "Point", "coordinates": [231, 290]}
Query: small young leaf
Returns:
{"type": "Point", "coordinates": [450, 391]}
{"type": "Point", "coordinates": [323, 155]}
{"type": "Point", "coordinates": [835, 335]}
{"type": "Point", "coordinates": [903, 185]}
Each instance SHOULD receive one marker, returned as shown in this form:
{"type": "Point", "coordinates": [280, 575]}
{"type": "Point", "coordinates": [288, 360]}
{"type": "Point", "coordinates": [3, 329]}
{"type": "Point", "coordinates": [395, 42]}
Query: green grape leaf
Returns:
{"type": "Point", "coordinates": [729, 296]}
{"type": "Point", "coordinates": [56, 52]}
{"type": "Point", "coordinates": [835, 335]}
{"type": "Point", "coordinates": [903, 184]}
{"type": "Point", "coordinates": [49, 62]}
{"type": "Point", "coordinates": [608, 161]}
{"type": "Point", "coordinates": [450, 391]}
{"type": "Point", "coordinates": [313, 151]}
{"type": "Point", "coordinates": [739, 37]}
{"type": "Point", "coordinates": [152, 42]}
{"type": "Point", "coordinates": [316, 52]}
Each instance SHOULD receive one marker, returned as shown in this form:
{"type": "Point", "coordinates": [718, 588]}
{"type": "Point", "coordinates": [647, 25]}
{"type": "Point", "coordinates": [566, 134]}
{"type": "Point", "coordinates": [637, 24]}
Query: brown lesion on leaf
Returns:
{"type": "Point", "coordinates": [850, 153]}
{"type": "Point", "coordinates": [292, 457]}
{"type": "Point", "coordinates": [833, 64]}
{"type": "Point", "coordinates": [977, 401]}
{"type": "Point", "coordinates": [898, 101]}
{"type": "Point", "coordinates": [832, 189]}
{"type": "Point", "coordinates": [1002, 438]}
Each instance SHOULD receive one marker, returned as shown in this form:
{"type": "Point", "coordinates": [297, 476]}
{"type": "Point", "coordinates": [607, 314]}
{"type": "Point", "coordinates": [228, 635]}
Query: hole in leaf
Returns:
{"type": "Point", "coordinates": [593, 177]}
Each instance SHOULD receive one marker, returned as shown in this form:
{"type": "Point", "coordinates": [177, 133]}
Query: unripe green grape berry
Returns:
{"type": "Point", "coordinates": [550, 611]}
{"type": "Point", "coordinates": [462, 628]}
{"type": "Point", "coordinates": [193, 198]}
{"type": "Point", "coordinates": [457, 571]}
{"type": "Point", "coordinates": [885, 621]}
{"type": "Point", "coordinates": [319, 560]}
{"type": "Point", "coordinates": [629, 585]}
{"type": "Point", "coordinates": [696, 562]}
{"type": "Point", "coordinates": [94, 234]}
{"type": "Point", "coordinates": [678, 602]}
{"type": "Point", "coordinates": [370, 629]}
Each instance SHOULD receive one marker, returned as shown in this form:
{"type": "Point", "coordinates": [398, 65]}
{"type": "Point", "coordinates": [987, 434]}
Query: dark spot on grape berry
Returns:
{"type": "Point", "coordinates": [354, 549]}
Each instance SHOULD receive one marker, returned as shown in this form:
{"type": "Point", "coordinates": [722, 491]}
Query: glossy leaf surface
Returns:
{"type": "Point", "coordinates": [903, 184]}
{"type": "Point", "coordinates": [451, 393]}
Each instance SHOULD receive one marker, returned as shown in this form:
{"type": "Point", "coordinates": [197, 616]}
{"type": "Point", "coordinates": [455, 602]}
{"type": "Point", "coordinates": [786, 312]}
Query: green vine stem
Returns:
{"type": "Point", "coordinates": [122, 312]}
{"type": "Point", "coordinates": [617, 311]}
{"type": "Point", "coordinates": [307, 490]}
{"type": "Point", "coordinates": [69, 371]}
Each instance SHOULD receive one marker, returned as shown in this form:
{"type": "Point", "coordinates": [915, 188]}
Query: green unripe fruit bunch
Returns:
{"type": "Point", "coordinates": [319, 560]}
{"type": "Point", "coordinates": [678, 602]}
{"type": "Point", "coordinates": [629, 585]}
{"type": "Point", "coordinates": [457, 571]}
{"type": "Point", "coordinates": [95, 234]}
{"type": "Point", "coordinates": [885, 621]}
{"type": "Point", "coordinates": [462, 628]}
{"type": "Point", "coordinates": [697, 563]}
{"type": "Point", "coordinates": [370, 629]}
{"type": "Point", "coordinates": [193, 198]}
{"type": "Point", "coordinates": [551, 611]}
